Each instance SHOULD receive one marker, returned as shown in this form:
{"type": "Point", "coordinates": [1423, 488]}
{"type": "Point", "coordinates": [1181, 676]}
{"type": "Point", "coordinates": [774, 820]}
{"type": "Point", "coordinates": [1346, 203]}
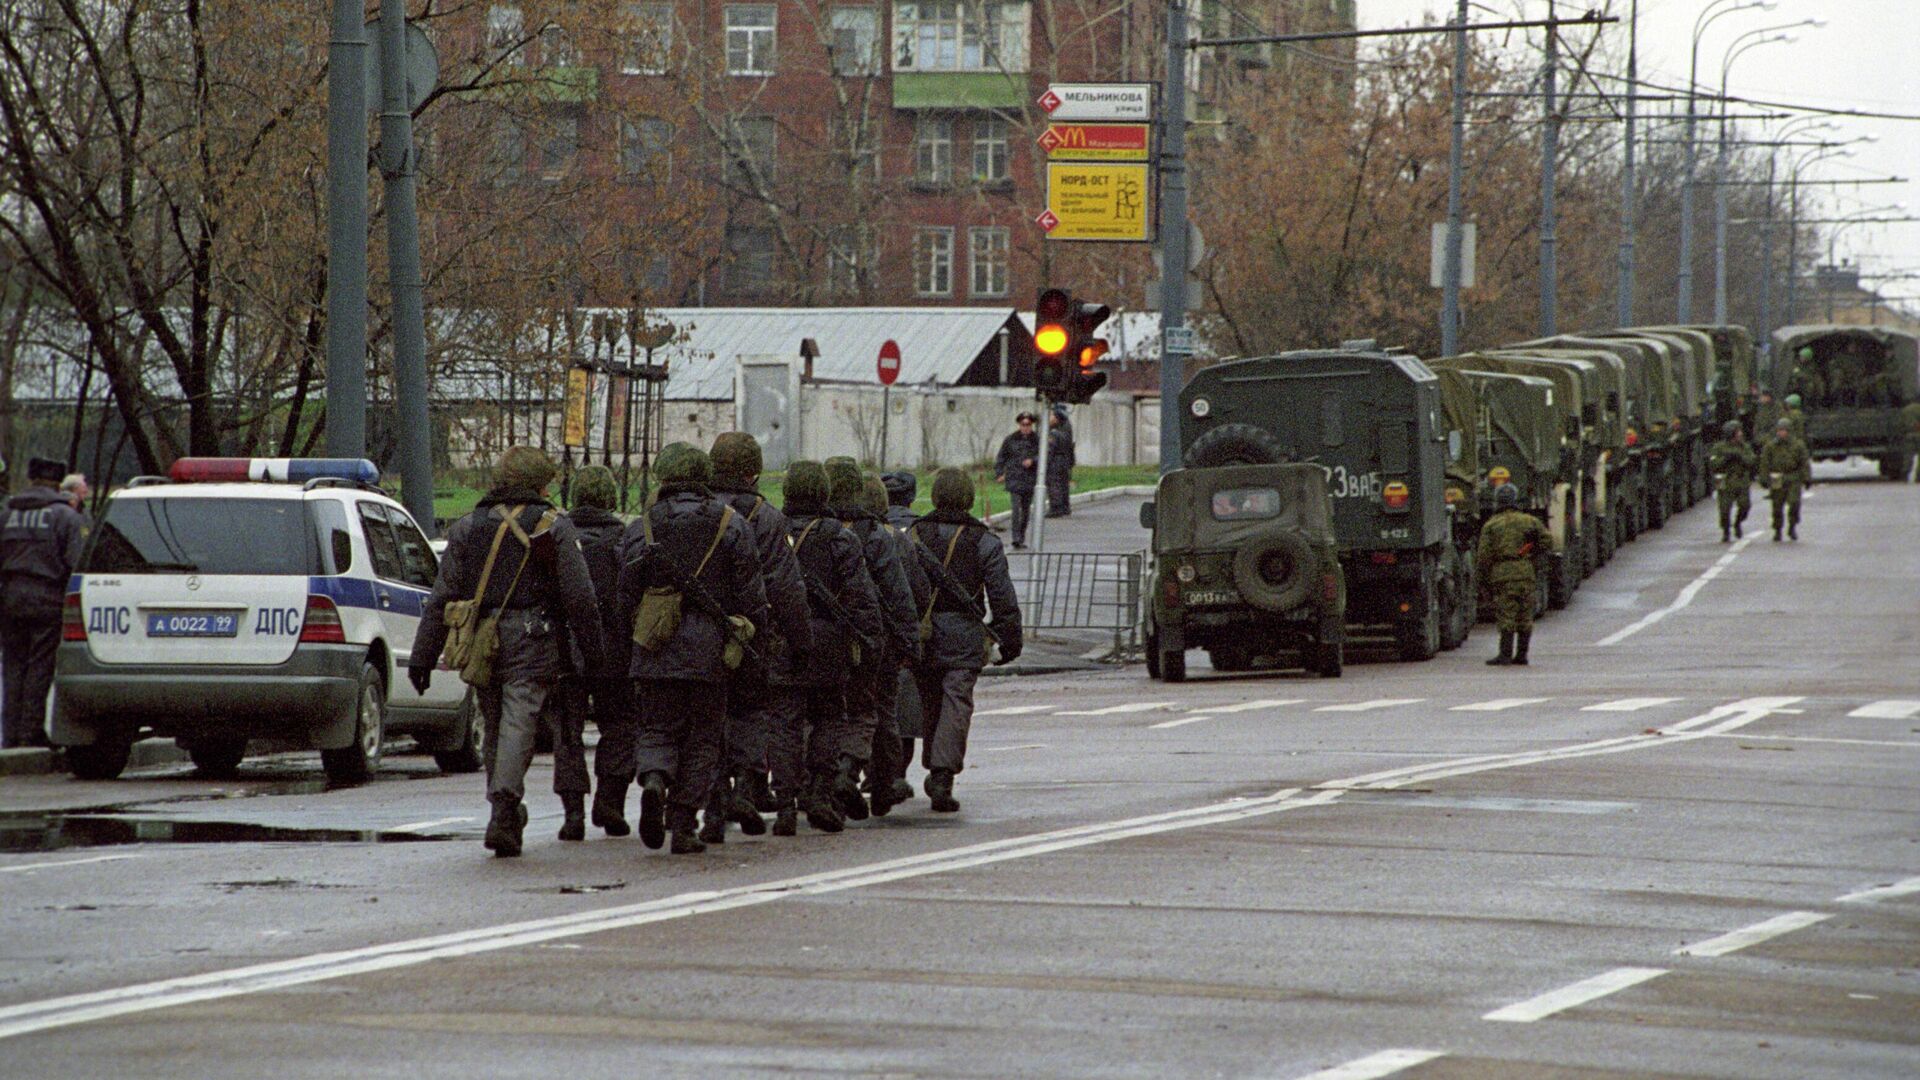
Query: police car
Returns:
{"type": "Point", "coordinates": [264, 599]}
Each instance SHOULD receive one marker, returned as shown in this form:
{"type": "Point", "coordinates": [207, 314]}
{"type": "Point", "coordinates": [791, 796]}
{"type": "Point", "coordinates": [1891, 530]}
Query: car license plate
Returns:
{"type": "Point", "coordinates": [193, 624]}
{"type": "Point", "coordinates": [1205, 597]}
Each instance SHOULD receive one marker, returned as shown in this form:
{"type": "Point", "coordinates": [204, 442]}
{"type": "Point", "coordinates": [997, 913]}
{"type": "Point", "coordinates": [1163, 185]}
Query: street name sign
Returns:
{"type": "Point", "coordinates": [1096, 142]}
{"type": "Point", "coordinates": [1094, 201]}
{"type": "Point", "coordinates": [1098, 101]}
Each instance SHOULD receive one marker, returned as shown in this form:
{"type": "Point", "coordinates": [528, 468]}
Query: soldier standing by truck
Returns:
{"type": "Point", "coordinates": [1785, 466]}
{"type": "Point", "coordinates": [1509, 545]}
{"type": "Point", "coordinates": [1732, 463]}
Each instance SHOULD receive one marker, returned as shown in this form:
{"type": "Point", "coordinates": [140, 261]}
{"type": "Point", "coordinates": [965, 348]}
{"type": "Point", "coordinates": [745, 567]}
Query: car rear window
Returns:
{"type": "Point", "coordinates": [159, 535]}
{"type": "Point", "coordinates": [1246, 504]}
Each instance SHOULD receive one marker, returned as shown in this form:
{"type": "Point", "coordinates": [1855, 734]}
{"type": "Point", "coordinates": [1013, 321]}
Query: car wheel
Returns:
{"type": "Point", "coordinates": [1328, 660]}
{"type": "Point", "coordinates": [1173, 665]}
{"type": "Point", "coordinates": [356, 762]}
{"type": "Point", "coordinates": [218, 759]}
{"type": "Point", "coordinates": [104, 759]}
{"type": "Point", "coordinates": [1153, 656]}
{"type": "Point", "coordinates": [470, 754]}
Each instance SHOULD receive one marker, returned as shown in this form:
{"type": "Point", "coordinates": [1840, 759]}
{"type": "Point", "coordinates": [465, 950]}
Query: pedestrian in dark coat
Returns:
{"type": "Point", "coordinates": [809, 684]}
{"type": "Point", "coordinates": [885, 785]}
{"type": "Point", "coordinates": [692, 542]}
{"type": "Point", "coordinates": [969, 552]}
{"type": "Point", "coordinates": [602, 694]}
{"type": "Point", "coordinates": [1059, 463]}
{"type": "Point", "coordinates": [740, 784]}
{"type": "Point", "coordinates": [544, 596]}
{"type": "Point", "coordinates": [1017, 466]}
{"type": "Point", "coordinates": [40, 539]}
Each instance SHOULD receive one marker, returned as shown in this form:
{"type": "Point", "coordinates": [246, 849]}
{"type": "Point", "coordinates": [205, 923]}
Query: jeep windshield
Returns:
{"type": "Point", "coordinates": [1246, 504]}
{"type": "Point", "coordinates": [159, 535]}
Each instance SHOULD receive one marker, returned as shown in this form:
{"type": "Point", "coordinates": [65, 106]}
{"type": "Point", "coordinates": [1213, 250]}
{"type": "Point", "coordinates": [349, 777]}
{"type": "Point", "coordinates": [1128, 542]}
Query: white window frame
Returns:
{"type": "Point", "coordinates": [752, 46]}
{"type": "Point", "coordinates": [849, 253]}
{"type": "Point", "coordinates": [650, 43]}
{"type": "Point", "coordinates": [933, 150]}
{"type": "Point", "coordinates": [992, 138]}
{"type": "Point", "coordinates": [506, 25]}
{"type": "Point", "coordinates": [933, 261]}
{"type": "Point", "coordinates": [863, 21]}
{"type": "Point", "coordinates": [557, 48]}
{"type": "Point", "coordinates": [743, 149]}
{"type": "Point", "coordinates": [989, 253]}
{"type": "Point", "coordinates": [961, 35]}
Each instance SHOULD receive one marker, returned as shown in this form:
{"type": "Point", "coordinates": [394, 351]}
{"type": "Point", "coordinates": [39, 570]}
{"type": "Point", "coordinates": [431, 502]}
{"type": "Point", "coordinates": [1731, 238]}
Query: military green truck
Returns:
{"type": "Point", "coordinates": [1689, 355]}
{"type": "Point", "coordinates": [1730, 378]}
{"type": "Point", "coordinates": [1646, 397]}
{"type": "Point", "coordinates": [1244, 565]}
{"type": "Point", "coordinates": [1372, 421]}
{"type": "Point", "coordinates": [1854, 382]}
{"type": "Point", "coordinates": [1617, 490]}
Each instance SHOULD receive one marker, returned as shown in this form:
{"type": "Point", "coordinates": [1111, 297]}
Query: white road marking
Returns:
{"type": "Point", "coordinates": [1913, 744]}
{"type": "Point", "coordinates": [1120, 710]}
{"type": "Point", "coordinates": [1884, 892]}
{"type": "Point", "coordinates": [1022, 746]}
{"type": "Point", "coordinates": [1567, 997]}
{"type": "Point", "coordinates": [1248, 706]}
{"type": "Point", "coordinates": [1367, 706]}
{"type": "Point", "coordinates": [1500, 704]}
{"type": "Point", "coordinates": [1012, 710]}
{"type": "Point", "coordinates": [1686, 596]}
{"type": "Point", "coordinates": [423, 826]}
{"type": "Point", "coordinates": [1631, 704]}
{"type": "Point", "coordinates": [1180, 721]}
{"type": "Point", "coordinates": [1888, 710]}
{"type": "Point", "coordinates": [1735, 940]}
{"type": "Point", "coordinates": [1374, 1066]}
{"type": "Point", "coordinates": [65, 862]}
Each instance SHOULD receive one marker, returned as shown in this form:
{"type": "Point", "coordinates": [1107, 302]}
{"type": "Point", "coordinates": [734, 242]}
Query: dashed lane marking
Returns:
{"type": "Point", "coordinates": [1247, 706]}
{"type": "Point", "coordinates": [1500, 704]}
{"type": "Point", "coordinates": [1374, 1066]}
{"type": "Point", "coordinates": [1120, 710]}
{"type": "Point", "coordinates": [1180, 722]}
{"type": "Point", "coordinates": [1369, 706]}
{"type": "Point", "coordinates": [1883, 892]}
{"type": "Point", "coordinates": [1888, 710]}
{"type": "Point", "coordinates": [1013, 710]}
{"type": "Point", "coordinates": [1735, 940]}
{"type": "Point", "coordinates": [1021, 746]}
{"type": "Point", "coordinates": [1686, 596]}
{"type": "Point", "coordinates": [1631, 704]}
{"type": "Point", "coordinates": [423, 826]}
{"type": "Point", "coordinates": [1567, 997]}
{"type": "Point", "coordinates": [64, 862]}
{"type": "Point", "coordinates": [1911, 744]}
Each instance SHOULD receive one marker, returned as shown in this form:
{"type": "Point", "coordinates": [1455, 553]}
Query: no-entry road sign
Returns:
{"type": "Point", "coordinates": [1096, 142]}
{"type": "Point", "coordinates": [888, 367]}
{"type": "Point", "coordinates": [1098, 101]}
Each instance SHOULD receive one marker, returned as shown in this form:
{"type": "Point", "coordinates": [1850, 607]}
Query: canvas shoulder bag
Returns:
{"type": "Point", "coordinates": [657, 618]}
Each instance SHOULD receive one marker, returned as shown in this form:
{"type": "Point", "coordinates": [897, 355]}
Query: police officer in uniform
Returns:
{"type": "Point", "coordinates": [40, 538]}
{"type": "Point", "coordinates": [600, 694]}
{"type": "Point", "coordinates": [972, 559]}
{"type": "Point", "coordinates": [1509, 545]}
{"type": "Point", "coordinates": [886, 785]}
{"type": "Point", "coordinates": [1016, 467]}
{"type": "Point", "coordinates": [808, 695]}
{"type": "Point", "coordinates": [1731, 462]}
{"type": "Point", "coordinates": [541, 590]}
{"type": "Point", "coordinates": [742, 776]}
{"type": "Point", "coordinates": [899, 638]}
{"type": "Point", "coordinates": [1786, 468]}
{"type": "Point", "coordinates": [1059, 463]}
{"type": "Point", "coordinates": [692, 543]}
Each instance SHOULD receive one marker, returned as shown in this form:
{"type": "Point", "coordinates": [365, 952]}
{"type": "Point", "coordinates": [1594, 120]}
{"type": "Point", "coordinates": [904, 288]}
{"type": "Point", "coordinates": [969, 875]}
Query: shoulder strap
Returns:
{"type": "Point", "coordinates": [758, 502]}
{"type": "Point", "coordinates": [726, 515]}
{"type": "Point", "coordinates": [486, 569]}
{"type": "Point", "coordinates": [546, 522]}
{"type": "Point", "coordinates": [945, 563]}
{"type": "Point", "coordinates": [804, 533]}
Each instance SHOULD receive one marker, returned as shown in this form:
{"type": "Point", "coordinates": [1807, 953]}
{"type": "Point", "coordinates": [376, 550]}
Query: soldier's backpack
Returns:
{"type": "Point", "coordinates": [473, 639]}
{"type": "Point", "coordinates": [657, 618]}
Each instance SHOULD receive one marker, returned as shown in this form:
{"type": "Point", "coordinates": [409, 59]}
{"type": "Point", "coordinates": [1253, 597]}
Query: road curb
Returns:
{"type": "Point", "coordinates": [40, 760]}
{"type": "Point", "coordinates": [1082, 498]}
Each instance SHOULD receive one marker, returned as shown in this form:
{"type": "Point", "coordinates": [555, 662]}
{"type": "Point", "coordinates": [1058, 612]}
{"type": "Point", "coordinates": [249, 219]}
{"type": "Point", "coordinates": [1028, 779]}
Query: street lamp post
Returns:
{"type": "Point", "coordinates": [1749, 40]}
{"type": "Point", "coordinates": [1820, 152]}
{"type": "Point", "coordinates": [1858, 217]}
{"type": "Point", "coordinates": [1713, 11]}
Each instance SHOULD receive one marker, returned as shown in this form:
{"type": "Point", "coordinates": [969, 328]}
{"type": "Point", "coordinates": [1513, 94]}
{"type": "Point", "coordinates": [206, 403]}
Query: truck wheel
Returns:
{"type": "Point", "coordinates": [1560, 581]}
{"type": "Point", "coordinates": [1421, 640]}
{"type": "Point", "coordinates": [1271, 573]}
{"type": "Point", "coordinates": [1153, 655]}
{"type": "Point", "coordinates": [218, 759]}
{"type": "Point", "coordinates": [105, 759]}
{"type": "Point", "coordinates": [1173, 665]}
{"type": "Point", "coordinates": [356, 762]}
{"type": "Point", "coordinates": [1235, 444]}
{"type": "Point", "coordinates": [469, 755]}
{"type": "Point", "coordinates": [1326, 661]}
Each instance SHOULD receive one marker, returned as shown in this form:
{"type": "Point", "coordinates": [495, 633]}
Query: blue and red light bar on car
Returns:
{"type": "Point", "coordinates": [272, 470]}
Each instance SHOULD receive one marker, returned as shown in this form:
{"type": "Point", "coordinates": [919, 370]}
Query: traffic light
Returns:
{"type": "Point", "coordinates": [1089, 350]}
{"type": "Point", "coordinates": [1052, 340]}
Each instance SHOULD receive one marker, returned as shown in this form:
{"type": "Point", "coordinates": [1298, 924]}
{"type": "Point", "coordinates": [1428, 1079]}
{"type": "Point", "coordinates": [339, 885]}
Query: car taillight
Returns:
{"type": "Point", "coordinates": [1395, 495]}
{"type": "Point", "coordinates": [73, 620]}
{"type": "Point", "coordinates": [1170, 591]}
{"type": "Point", "coordinates": [322, 624]}
{"type": "Point", "coordinates": [1384, 558]}
{"type": "Point", "coordinates": [1330, 588]}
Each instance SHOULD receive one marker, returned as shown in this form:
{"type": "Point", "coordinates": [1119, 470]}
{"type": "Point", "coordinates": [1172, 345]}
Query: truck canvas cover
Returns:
{"type": "Point", "coordinates": [1184, 517]}
{"type": "Point", "coordinates": [1875, 348]}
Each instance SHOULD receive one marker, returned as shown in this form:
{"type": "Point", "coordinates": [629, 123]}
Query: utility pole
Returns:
{"type": "Point", "coordinates": [1549, 166]}
{"type": "Point", "coordinates": [1766, 263]}
{"type": "Point", "coordinates": [403, 259]}
{"type": "Point", "coordinates": [346, 416]}
{"type": "Point", "coordinates": [1628, 190]}
{"type": "Point", "coordinates": [1450, 266]}
{"type": "Point", "coordinates": [1173, 234]}
{"type": "Point", "coordinates": [1720, 224]}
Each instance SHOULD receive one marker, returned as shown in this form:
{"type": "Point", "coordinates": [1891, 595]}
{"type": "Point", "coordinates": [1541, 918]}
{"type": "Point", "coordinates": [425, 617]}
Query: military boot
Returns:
{"type": "Point", "coordinates": [713, 825]}
{"type": "Point", "coordinates": [1776, 534]}
{"type": "Point", "coordinates": [1726, 533]}
{"type": "Point", "coordinates": [817, 804]}
{"type": "Point", "coordinates": [574, 824]}
{"type": "Point", "coordinates": [742, 809]}
{"type": "Point", "coordinates": [1793, 531]}
{"type": "Point", "coordinates": [610, 808]}
{"type": "Point", "coordinates": [761, 792]}
{"type": "Point", "coordinates": [846, 791]}
{"type": "Point", "coordinates": [1738, 532]}
{"type": "Point", "coordinates": [889, 794]}
{"type": "Point", "coordinates": [786, 821]}
{"type": "Point", "coordinates": [1506, 650]}
{"type": "Point", "coordinates": [505, 828]}
{"type": "Point", "coordinates": [939, 787]}
{"type": "Point", "coordinates": [685, 840]}
{"type": "Point", "coordinates": [653, 810]}
{"type": "Point", "coordinates": [1520, 648]}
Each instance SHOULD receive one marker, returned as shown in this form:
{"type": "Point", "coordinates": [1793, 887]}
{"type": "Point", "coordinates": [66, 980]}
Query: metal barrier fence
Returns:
{"type": "Point", "coordinates": [1076, 590]}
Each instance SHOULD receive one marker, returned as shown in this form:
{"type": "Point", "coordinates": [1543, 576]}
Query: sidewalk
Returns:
{"type": "Point", "coordinates": [1105, 522]}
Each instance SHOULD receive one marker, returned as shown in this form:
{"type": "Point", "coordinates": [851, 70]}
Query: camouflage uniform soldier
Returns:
{"type": "Point", "coordinates": [1795, 417]}
{"type": "Point", "coordinates": [1509, 545]}
{"type": "Point", "coordinates": [1766, 413]}
{"type": "Point", "coordinates": [1786, 468]}
{"type": "Point", "coordinates": [1732, 463]}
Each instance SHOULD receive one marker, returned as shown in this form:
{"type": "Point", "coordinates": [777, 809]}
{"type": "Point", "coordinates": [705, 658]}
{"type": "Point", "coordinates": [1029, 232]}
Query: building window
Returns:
{"type": "Point", "coordinates": [649, 39]}
{"type": "Point", "coordinates": [750, 34]}
{"type": "Point", "coordinates": [990, 155]}
{"type": "Point", "coordinates": [856, 41]}
{"type": "Point", "coordinates": [853, 257]}
{"type": "Point", "coordinates": [987, 259]}
{"type": "Point", "coordinates": [933, 262]}
{"type": "Point", "coordinates": [505, 26]}
{"type": "Point", "coordinates": [960, 35]}
{"type": "Point", "coordinates": [506, 152]}
{"type": "Point", "coordinates": [556, 47]}
{"type": "Point", "coordinates": [643, 146]}
{"type": "Point", "coordinates": [558, 147]}
{"type": "Point", "coordinates": [933, 150]}
{"type": "Point", "coordinates": [755, 149]}
{"type": "Point", "coordinates": [750, 268]}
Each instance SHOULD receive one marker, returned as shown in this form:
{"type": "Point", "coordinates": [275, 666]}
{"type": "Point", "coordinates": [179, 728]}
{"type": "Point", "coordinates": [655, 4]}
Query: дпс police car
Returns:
{"type": "Point", "coordinates": [253, 599]}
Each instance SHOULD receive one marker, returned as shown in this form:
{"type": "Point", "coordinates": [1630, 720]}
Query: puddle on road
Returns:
{"type": "Point", "coordinates": [53, 832]}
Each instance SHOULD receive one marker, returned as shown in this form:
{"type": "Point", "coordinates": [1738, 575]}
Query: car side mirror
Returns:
{"type": "Point", "coordinates": [1146, 514]}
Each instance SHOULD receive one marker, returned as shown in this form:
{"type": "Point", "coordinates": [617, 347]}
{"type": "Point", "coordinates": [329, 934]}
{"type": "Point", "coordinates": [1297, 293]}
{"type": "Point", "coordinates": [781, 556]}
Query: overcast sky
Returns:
{"type": "Point", "coordinates": [1865, 58]}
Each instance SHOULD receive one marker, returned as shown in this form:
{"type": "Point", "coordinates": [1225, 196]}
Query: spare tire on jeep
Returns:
{"type": "Point", "coordinates": [1235, 444]}
{"type": "Point", "coordinates": [1275, 573]}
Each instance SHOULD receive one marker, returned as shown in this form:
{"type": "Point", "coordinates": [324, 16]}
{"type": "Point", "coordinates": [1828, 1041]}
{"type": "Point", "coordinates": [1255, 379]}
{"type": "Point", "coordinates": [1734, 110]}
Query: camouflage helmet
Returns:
{"type": "Point", "coordinates": [736, 456]}
{"type": "Point", "coordinates": [1793, 401]}
{"type": "Point", "coordinates": [805, 488]}
{"type": "Point", "coordinates": [595, 486]}
{"type": "Point", "coordinates": [1783, 424]}
{"type": "Point", "coordinates": [873, 496]}
{"type": "Point", "coordinates": [1506, 497]}
{"type": "Point", "coordinates": [1731, 428]}
{"type": "Point", "coordinates": [683, 463]}
{"type": "Point", "coordinates": [843, 478]}
{"type": "Point", "coordinates": [952, 490]}
{"type": "Point", "coordinates": [523, 467]}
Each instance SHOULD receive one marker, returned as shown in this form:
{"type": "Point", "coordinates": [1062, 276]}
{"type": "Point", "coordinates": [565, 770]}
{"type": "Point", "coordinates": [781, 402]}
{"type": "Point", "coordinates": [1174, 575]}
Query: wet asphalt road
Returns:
{"type": "Point", "coordinates": [1692, 852]}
